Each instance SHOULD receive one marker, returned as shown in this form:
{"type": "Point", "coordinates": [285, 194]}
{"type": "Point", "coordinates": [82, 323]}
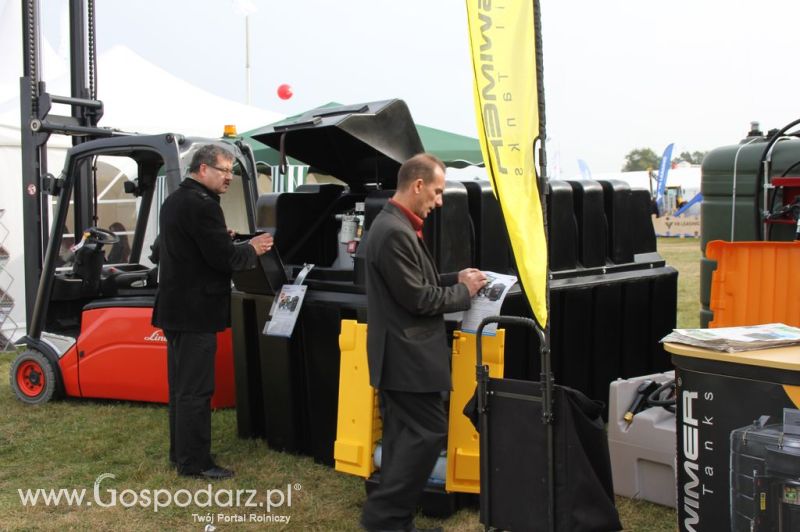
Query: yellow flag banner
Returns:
{"type": "Point", "coordinates": [503, 43]}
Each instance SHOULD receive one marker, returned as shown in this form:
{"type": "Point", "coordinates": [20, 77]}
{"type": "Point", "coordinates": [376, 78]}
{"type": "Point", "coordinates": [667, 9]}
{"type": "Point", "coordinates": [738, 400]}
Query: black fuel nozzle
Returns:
{"type": "Point", "coordinates": [640, 399]}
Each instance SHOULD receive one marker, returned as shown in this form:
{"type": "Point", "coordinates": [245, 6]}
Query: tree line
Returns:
{"type": "Point", "coordinates": [647, 159]}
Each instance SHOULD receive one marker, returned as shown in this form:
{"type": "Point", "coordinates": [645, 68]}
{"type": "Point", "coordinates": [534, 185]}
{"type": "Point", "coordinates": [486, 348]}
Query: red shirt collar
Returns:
{"type": "Point", "coordinates": [416, 221]}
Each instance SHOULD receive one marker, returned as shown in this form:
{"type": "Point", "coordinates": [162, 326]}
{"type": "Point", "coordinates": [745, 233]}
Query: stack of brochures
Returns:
{"type": "Point", "coordinates": [732, 339]}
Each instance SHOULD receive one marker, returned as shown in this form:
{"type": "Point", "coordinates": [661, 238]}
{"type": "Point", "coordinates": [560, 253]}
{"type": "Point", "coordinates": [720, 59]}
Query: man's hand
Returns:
{"type": "Point", "coordinates": [261, 243]}
{"type": "Point", "coordinates": [474, 280]}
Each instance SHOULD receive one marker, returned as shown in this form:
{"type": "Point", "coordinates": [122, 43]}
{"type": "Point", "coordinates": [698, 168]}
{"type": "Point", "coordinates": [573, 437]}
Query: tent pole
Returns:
{"type": "Point", "coordinates": [247, 79]}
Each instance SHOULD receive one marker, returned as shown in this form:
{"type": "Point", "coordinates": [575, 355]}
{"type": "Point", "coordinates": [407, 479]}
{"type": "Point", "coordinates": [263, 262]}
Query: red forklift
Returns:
{"type": "Point", "coordinates": [92, 274]}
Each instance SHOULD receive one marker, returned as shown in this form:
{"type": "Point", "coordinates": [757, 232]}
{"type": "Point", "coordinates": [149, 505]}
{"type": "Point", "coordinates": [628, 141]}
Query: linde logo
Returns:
{"type": "Point", "coordinates": [156, 336]}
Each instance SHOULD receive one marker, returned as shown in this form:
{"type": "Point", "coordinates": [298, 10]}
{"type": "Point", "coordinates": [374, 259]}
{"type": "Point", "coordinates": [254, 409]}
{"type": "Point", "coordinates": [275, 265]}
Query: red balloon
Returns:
{"type": "Point", "coordinates": [285, 91]}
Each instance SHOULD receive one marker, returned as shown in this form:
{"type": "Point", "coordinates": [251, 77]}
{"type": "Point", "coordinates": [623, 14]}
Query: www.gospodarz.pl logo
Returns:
{"type": "Point", "coordinates": [158, 498]}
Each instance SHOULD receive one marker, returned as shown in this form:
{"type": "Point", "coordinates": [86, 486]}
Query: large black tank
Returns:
{"type": "Point", "coordinates": [612, 297]}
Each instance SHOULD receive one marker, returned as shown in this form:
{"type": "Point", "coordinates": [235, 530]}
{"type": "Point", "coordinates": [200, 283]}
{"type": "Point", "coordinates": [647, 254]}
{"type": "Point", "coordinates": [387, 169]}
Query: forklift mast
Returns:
{"type": "Point", "coordinates": [152, 154]}
{"type": "Point", "coordinates": [37, 124]}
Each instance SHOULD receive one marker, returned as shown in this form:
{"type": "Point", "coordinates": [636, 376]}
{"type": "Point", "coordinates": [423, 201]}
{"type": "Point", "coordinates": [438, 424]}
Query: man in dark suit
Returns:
{"type": "Point", "coordinates": [197, 257]}
{"type": "Point", "coordinates": [409, 360]}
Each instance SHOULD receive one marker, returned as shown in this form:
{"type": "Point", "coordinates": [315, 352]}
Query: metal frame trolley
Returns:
{"type": "Point", "coordinates": [544, 462]}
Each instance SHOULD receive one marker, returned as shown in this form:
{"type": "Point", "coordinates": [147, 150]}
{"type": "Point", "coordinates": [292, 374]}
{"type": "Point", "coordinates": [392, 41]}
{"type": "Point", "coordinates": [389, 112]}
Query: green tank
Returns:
{"type": "Point", "coordinates": [725, 217]}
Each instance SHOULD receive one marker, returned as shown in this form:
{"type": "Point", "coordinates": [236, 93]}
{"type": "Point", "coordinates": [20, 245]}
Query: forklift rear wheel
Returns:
{"type": "Point", "coordinates": [33, 378]}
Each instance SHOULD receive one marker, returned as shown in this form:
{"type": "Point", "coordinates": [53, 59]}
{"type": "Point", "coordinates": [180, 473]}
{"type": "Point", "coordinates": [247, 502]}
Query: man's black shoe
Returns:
{"type": "Point", "coordinates": [213, 473]}
{"type": "Point", "coordinates": [173, 463]}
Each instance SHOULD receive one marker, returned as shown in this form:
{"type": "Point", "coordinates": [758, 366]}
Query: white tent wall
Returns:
{"type": "Point", "coordinates": [11, 201]}
{"type": "Point", "coordinates": [138, 97]}
{"type": "Point", "coordinates": [686, 177]}
{"type": "Point", "coordinates": [141, 97]}
{"type": "Point", "coordinates": [52, 65]}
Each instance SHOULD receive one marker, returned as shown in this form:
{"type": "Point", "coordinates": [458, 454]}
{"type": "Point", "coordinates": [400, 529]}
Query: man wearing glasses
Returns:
{"type": "Point", "coordinates": [197, 257]}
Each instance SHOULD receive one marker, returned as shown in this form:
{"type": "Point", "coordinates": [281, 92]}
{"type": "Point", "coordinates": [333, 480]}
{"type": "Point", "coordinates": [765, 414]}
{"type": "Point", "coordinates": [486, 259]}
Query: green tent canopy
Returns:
{"type": "Point", "coordinates": [454, 149]}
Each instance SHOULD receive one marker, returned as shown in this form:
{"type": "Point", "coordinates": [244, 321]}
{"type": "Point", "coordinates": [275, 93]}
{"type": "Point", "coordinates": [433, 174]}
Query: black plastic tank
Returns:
{"type": "Point", "coordinates": [605, 321]}
{"type": "Point", "coordinates": [563, 227]}
{"type": "Point", "coordinates": [592, 225]}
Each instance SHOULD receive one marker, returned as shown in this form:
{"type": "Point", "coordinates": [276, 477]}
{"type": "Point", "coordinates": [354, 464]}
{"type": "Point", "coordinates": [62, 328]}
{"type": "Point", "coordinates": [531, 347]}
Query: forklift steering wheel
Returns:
{"type": "Point", "coordinates": [103, 236]}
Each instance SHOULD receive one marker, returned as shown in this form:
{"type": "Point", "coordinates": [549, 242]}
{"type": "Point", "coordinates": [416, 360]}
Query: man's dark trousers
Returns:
{"type": "Point", "coordinates": [414, 433]}
{"type": "Point", "coordinates": [190, 373]}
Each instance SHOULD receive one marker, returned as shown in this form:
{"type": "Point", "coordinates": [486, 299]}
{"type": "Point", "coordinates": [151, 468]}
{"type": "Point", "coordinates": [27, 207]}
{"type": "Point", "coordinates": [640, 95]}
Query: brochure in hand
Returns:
{"type": "Point", "coordinates": [487, 302]}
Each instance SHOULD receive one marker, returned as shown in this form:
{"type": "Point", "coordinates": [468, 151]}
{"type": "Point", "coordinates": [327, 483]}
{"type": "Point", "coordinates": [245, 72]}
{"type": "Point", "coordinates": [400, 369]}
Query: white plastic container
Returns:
{"type": "Point", "coordinates": [642, 453]}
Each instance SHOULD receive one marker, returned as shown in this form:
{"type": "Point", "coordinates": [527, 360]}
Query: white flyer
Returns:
{"type": "Point", "coordinates": [487, 302]}
{"type": "Point", "coordinates": [734, 339]}
{"type": "Point", "coordinates": [286, 310]}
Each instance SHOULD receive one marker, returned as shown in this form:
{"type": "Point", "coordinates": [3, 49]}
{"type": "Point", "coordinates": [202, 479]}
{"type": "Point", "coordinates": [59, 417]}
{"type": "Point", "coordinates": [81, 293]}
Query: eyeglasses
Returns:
{"type": "Point", "coordinates": [225, 171]}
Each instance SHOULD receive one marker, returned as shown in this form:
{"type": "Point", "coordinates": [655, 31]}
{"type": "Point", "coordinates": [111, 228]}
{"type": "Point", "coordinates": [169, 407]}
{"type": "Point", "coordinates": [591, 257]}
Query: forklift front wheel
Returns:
{"type": "Point", "coordinates": [33, 378]}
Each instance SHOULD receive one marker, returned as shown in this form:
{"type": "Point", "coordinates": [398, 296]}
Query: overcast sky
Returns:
{"type": "Point", "coordinates": [618, 74]}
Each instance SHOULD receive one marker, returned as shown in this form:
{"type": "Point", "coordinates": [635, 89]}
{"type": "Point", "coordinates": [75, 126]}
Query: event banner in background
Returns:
{"type": "Point", "coordinates": [502, 39]}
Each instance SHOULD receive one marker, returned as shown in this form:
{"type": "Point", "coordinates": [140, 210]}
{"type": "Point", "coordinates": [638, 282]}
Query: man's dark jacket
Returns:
{"type": "Point", "coordinates": [406, 298]}
{"type": "Point", "coordinates": [196, 260]}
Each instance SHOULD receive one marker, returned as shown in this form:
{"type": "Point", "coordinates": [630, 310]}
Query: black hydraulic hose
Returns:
{"type": "Point", "coordinates": [774, 196]}
{"type": "Point", "coordinates": [792, 167]}
{"type": "Point", "coordinates": [94, 191]}
{"type": "Point", "coordinates": [654, 399]}
{"type": "Point", "coordinates": [761, 176]}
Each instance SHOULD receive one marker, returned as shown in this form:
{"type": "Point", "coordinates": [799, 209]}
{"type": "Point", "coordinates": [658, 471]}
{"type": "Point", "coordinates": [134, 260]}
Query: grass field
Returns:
{"type": "Point", "coordinates": [684, 255]}
{"type": "Point", "coordinates": [72, 443]}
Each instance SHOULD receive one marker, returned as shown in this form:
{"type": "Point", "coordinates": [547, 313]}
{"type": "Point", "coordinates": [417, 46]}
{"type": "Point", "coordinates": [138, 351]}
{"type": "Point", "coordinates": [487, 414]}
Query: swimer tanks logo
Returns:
{"type": "Point", "coordinates": [691, 453]}
{"type": "Point", "coordinates": [697, 478]}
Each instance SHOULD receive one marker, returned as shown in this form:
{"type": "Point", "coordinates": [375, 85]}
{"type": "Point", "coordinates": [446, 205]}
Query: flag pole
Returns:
{"type": "Point", "coordinates": [247, 80]}
{"type": "Point", "coordinates": [544, 350]}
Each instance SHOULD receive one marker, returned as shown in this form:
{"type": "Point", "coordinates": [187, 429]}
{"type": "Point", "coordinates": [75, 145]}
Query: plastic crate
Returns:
{"type": "Point", "coordinates": [754, 283]}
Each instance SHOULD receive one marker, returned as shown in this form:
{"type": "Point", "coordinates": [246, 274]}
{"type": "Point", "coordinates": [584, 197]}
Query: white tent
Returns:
{"type": "Point", "coordinates": [141, 97]}
{"type": "Point", "coordinates": [686, 177]}
{"type": "Point", "coordinates": [138, 97]}
{"type": "Point", "coordinates": [11, 45]}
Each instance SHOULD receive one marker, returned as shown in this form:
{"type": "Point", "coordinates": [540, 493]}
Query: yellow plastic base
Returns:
{"type": "Point", "coordinates": [359, 425]}
{"type": "Point", "coordinates": [463, 455]}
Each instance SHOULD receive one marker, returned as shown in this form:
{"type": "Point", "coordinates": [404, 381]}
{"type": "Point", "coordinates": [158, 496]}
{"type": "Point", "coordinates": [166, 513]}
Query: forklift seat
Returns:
{"type": "Point", "coordinates": [132, 279]}
{"type": "Point", "coordinates": [88, 267]}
